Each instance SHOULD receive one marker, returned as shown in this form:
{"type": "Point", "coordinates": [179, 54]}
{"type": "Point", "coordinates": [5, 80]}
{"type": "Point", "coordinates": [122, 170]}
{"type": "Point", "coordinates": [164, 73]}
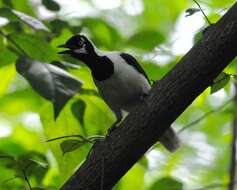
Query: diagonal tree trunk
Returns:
{"type": "Point", "coordinates": [169, 97]}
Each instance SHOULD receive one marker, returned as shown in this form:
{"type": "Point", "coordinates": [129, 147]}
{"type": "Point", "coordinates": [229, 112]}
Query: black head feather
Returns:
{"type": "Point", "coordinates": [76, 42]}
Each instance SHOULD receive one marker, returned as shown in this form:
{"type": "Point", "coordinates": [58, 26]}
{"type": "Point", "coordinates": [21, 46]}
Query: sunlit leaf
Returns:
{"type": "Point", "coordinates": [51, 5]}
{"type": "Point", "coordinates": [13, 26]}
{"type": "Point", "coordinates": [133, 179]}
{"type": "Point", "coordinates": [7, 73]}
{"type": "Point", "coordinates": [35, 46]}
{"type": "Point", "coordinates": [58, 25]}
{"type": "Point", "coordinates": [78, 110]}
{"type": "Point", "coordinates": [103, 33]}
{"type": "Point", "coordinates": [49, 81]}
{"type": "Point", "coordinates": [7, 57]}
{"type": "Point", "coordinates": [66, 124]}
{"type": "Point", "coordinates": [71, 145]}
{"type": "Point", "coordinates": [7, 160]}
{"type": "Point", "coordinates": [7, 13]}
{"type": "Point", "coordinates": [167, 183]}
{"type": "Point", "coordinates": [146, 39]}
{"type": "Point", "coordinates": [220, 81]}
{"type": "Point", "coordinates": [158, 14]}
{"type": "Point", "coordinates": [221, 4]}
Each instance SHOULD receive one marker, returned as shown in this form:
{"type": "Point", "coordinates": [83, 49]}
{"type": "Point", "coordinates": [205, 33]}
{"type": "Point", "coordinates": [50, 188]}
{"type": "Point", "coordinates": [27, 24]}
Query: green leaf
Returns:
{"type": "Point", "coordinates": [146, 39]}
{"type": "Point", "coordinates": [7, 57]}
{"type": "Point", "coordinates": [66, 124]}
{"type": "Point", "coordinates": [219, 82]}
{"type": "Point", "coordinates": [7, 13]}
{"type": "Point", "coordinates": [14, 15]}
{"type": "Point", "coordinates": [51, 5]}
{"type": "Point", "coordinates": [198, 36]}
{"type": "Point", "coordinates": [58, 25]}
{"type": "Point", "coordinates": [49, 81]}
{"type": "Point", "coordinates": [7, 160]}
{"type": "Point", "coordinates": [13, 27]}
{"type": "Point", "coordinates": [8, 3]}
{"type": "Point", "coordinates": [78, 110]}
{"type": "Point", "coordinates": [103, 33]}
{"type": "Point", "coordinates": [71, 145]}
{"type": "Point", "coordinates": [33, 159]}
{"type": "Point", "coordinates": [35, 46]}
{"type": "Point", "coordinates": [8, 73]}
{"type": "Point", "coordinates": [133, 180]}
{"type": "Point", "coordinates": [158, 14]}
{"type": "Point", "coordinates": [167, 183]}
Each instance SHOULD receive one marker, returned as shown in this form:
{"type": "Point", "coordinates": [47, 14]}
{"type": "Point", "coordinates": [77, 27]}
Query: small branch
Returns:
{"type": "Point", "coordinates": [90, 139]}
{"type": "Point", "coordinates": [10, 179]}
{"type": "Point", "coordinates": [26, 179]}
{"type": "Point", "coordinates": [208, 21]}
{"type": "Point", "coordinates": [232, 172]}
{"type": "Point", "coordinates": [13, 42]}
{"type": "Point", "coordinates": [220, 108]}
{"type": "Point", "coordinates": [65, 136]}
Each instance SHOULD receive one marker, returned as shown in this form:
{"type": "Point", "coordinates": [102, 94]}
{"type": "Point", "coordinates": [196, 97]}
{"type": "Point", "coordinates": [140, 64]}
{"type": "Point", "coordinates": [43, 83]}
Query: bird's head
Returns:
{"type": "Point", "coordinates": [77, 45]}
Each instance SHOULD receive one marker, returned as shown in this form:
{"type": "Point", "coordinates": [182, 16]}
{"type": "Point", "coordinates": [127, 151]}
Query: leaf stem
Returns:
{"type": "Point", "coordinates": [208, 21]}
{"type": "Point", "coordinates": [26, 179]}
{"type": "Point", "coordinates": [66, 136]}
{"type": "Point", "coordinates": [220, 108]}
{"type": "Point", "coordinates": [14, 43]}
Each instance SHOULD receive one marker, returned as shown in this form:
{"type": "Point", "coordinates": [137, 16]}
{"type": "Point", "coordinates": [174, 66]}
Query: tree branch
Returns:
{"type": "Point", "coordinates": [204, 116]}
{"type": "Point", "coordinates": [168, 98]}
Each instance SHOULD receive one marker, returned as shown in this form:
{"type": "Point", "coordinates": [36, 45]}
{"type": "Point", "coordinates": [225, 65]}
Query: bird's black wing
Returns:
{"type": "Point", "coordinates": [133, 62]}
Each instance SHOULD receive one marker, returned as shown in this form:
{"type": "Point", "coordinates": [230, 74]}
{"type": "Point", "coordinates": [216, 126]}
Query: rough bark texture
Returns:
{"type": "Point", "coordinates": [169, 97]}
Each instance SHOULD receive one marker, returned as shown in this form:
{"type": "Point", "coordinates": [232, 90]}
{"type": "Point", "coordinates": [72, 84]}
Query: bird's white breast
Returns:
{"type": "Point", "coordinates": [124, 88]}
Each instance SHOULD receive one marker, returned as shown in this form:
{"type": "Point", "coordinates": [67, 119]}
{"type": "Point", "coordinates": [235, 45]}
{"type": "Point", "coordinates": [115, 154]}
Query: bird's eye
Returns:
{"type": "Point", "coordinates": [80, 43]}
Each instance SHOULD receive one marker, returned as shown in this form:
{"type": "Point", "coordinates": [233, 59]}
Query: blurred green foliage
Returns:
{"type": "Point", "coordinates": [27, 120]}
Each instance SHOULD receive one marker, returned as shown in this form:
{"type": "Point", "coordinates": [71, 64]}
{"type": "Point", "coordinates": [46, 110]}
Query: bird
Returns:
{"type": "Point", "coordinates": [120, 79]}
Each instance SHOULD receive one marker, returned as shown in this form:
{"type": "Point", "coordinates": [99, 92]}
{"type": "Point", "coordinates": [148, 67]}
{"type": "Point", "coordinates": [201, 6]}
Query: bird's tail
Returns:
{"type": "Point", "coordinates": [170, 140]}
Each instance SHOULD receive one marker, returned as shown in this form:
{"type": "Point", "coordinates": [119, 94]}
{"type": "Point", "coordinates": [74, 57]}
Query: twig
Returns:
{"type": "Point", "coordinates": [205, 115]}
{"type": "Point", "coordinates": [26, 179]}
{"type": "Point", "coordinates": [232, 172]}
{"type": "Point", "coordinates": [13, 42]}
{"type": "Point", "coordinates": [208, 21]}
{"type": "Point", "coordinates": [65, 136]}
{"type": "Point", "coordinates": [10, 179]}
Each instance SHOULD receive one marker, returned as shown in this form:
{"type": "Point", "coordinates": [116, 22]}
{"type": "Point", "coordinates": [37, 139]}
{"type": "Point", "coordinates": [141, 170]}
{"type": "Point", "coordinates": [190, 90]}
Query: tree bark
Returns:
{"type": "Point", "coordinates": [169, 97]}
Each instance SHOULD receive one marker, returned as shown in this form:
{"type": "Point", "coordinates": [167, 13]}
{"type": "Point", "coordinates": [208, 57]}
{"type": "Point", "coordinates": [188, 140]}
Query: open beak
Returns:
{"type": "Point", "coordinates": [65, 51]}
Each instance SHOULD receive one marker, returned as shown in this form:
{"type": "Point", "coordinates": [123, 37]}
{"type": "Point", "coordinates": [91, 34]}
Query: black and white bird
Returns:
{"type": "Point", "coordinates": [120, 79]}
